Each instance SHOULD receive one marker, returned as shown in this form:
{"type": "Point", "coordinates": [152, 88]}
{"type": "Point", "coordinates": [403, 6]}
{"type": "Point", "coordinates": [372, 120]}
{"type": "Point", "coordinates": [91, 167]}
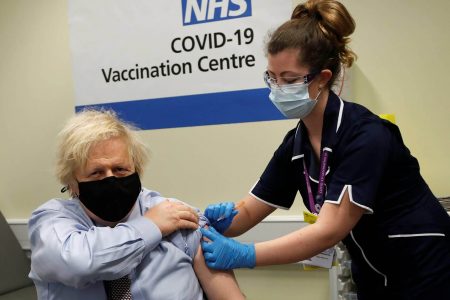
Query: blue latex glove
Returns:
{"type": "Point", "coordinates": [225, 253]}
{"type": "Point", "coordinates": [221, 215]}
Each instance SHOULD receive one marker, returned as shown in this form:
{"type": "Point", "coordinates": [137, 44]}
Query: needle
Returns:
{"type": "Point", "coordinates": [220, 218]}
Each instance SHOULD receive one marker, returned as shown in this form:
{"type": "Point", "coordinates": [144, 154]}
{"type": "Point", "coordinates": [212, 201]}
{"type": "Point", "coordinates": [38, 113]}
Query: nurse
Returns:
{"type": "Point", "coordinates": [351, 168]}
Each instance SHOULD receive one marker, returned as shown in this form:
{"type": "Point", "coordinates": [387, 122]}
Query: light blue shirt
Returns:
{"type": "Point", "coordinates": [71, 256]}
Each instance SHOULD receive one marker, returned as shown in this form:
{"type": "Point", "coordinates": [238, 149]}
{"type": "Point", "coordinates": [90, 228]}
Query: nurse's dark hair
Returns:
{"type": "Point", "coordinates": [320, 29]}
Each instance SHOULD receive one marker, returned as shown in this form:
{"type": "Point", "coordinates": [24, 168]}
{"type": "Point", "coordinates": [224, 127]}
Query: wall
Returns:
{"type": "Point", "coordinates": [402, 69]}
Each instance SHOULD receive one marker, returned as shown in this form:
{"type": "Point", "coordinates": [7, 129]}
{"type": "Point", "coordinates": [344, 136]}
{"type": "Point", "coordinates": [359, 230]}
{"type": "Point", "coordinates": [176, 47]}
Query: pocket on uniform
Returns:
{"type": "Point", "coordinates": [415, 256]}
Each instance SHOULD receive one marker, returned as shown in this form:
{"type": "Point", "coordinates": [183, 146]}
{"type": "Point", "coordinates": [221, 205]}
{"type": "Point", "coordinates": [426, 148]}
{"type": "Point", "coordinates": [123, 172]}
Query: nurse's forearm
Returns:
{"type": "Point", "coordinates": [294, 247]}
{"type": "Point", "coordinates": [251, 212]}
{"type": "Point", "coordinates": [334, 223]}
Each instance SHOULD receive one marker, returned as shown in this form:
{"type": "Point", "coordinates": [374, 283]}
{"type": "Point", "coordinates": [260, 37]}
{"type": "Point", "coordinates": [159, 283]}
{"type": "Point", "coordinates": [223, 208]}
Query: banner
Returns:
{"type": "Point", "coordinates": [174, 63]}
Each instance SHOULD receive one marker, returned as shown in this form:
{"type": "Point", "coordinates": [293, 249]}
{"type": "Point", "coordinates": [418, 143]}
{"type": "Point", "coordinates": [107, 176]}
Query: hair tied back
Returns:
{"type": "Point", "coordinates": [308, 9]}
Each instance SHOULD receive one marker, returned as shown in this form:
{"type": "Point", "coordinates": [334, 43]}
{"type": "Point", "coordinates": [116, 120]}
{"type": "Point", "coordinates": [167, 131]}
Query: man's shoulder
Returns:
{"type": "Point", "coordinates": [59, 204]}
{"type": "Point", "coordinates": [55, 208]}
{"type": "Point", "coordinates": [151, 198]}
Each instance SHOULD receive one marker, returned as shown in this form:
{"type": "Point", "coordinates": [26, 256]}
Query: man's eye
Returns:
{"type": "Point", "coordinates": [121, 170]}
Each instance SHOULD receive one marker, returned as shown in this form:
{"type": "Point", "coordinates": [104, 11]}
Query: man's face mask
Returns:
{"type": "Point", "coordinates": [111, 198]}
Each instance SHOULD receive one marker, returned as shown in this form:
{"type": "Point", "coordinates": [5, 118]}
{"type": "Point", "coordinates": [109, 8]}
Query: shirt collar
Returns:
{"type": "Point", "coordinates": [332, 121]}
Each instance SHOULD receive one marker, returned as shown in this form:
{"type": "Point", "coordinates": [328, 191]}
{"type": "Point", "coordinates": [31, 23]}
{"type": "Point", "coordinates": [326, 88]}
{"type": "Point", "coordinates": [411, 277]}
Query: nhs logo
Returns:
{"type": "Point", "coordinates": [202, 11]}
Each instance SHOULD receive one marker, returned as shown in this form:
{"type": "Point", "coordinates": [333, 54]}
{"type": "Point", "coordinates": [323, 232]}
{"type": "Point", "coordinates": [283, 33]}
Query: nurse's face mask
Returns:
{"type": "Point", "coordinates": [110, 198]}
{"type": "Point", "coordinates": [292, 99]}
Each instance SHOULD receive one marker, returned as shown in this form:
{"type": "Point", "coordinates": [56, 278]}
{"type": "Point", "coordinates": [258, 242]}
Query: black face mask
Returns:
{"type": "Point", "coordinates": [111, 198]}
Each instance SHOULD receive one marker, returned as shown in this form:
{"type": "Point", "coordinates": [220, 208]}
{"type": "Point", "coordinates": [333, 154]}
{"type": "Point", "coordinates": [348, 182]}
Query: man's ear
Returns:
{"type": "Point", "coordinates": [73, 189]}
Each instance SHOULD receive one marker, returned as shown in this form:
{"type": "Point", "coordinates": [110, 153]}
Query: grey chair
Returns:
{"type": "Point", "coordinates": [14, 267]}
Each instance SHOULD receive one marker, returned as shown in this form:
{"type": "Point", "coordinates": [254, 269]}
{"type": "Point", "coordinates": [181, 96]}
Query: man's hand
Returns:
{"type": "Point", "coordinates": [170, 216]}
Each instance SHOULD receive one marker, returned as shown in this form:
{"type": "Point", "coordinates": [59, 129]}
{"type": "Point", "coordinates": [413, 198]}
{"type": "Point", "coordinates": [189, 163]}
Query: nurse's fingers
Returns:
{"type": "Point", "coordinates": [209, 211]}
{"type": "Point", "coordinates": [228, 210]}
{"type": "Point", "coordinates": [207, 248]}
{"type": "Point", "coordinates": [209, 257]}
{"type": "Point", "coordinates": [216, 212]}
{"type": "Point", "coordinates": [211, 265]}
{"type": "Point", "coordinates": [222, 209]}
{"type": "Point", "coordinates": [208, 233]}
{"type": "Point", "coordinates": [212, 212]}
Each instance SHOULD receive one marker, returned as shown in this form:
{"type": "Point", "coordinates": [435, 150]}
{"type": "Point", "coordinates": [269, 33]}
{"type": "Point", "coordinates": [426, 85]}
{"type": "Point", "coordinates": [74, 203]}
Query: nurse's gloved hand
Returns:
{"type": "Point", "coordinates": [225, 253]}
{"type": "Point", "coordinates": [221, 215]}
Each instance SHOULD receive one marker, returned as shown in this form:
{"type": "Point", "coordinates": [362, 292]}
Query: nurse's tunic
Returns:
{"type": "Point", "coordinates": [400, 248]}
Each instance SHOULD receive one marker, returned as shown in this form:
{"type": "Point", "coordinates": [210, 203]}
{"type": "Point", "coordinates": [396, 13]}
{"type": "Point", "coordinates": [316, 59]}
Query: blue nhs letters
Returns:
{"type": "Point", "coordinates": [202, 11]}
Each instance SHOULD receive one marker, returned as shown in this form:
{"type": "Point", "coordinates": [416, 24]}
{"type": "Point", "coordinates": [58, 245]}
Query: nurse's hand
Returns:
{"type": "Point", "coordinates": [225, 253]}
{"type": "Point", "coordinates": [221, 215]}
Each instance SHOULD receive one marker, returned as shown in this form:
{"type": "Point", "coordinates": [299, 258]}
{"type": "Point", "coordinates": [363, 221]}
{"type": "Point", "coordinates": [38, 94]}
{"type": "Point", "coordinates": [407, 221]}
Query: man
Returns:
{"type": "Point", "coordinates": [114, 239]}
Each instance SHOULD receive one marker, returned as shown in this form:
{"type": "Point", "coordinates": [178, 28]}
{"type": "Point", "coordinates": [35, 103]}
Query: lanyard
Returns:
{"type": "Point", "coordinates": [317, 204]}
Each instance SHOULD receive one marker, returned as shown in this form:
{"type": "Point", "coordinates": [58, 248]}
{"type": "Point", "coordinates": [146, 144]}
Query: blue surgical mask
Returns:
{"type": "Point", "coordinates": [293, 100]}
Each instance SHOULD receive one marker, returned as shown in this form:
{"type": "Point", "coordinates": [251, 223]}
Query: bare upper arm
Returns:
{"type": "Point", "coordinates": [217, 285]}
{"type": "Point", "coordinates": [337, 220]}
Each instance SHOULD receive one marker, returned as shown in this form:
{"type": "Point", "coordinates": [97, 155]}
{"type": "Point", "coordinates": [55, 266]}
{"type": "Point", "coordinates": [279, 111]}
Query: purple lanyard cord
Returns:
{"type": "Point", "coordinates": [316, 205]}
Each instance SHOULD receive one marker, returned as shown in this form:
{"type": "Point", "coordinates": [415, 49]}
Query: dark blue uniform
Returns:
{"type": "Point", "coordinates": [400, 248]}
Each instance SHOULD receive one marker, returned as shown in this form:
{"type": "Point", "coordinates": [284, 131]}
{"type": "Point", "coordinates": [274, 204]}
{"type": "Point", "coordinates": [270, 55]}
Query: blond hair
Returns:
{"type": "Point", "coordinates": [87, 128]}
{"type": "Point", "coordinates": [320, 29]}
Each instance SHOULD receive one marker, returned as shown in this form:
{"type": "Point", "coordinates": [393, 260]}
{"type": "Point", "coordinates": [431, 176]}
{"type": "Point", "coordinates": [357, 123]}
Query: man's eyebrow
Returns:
{"type": "Point", "coordinates": [94, 168]}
